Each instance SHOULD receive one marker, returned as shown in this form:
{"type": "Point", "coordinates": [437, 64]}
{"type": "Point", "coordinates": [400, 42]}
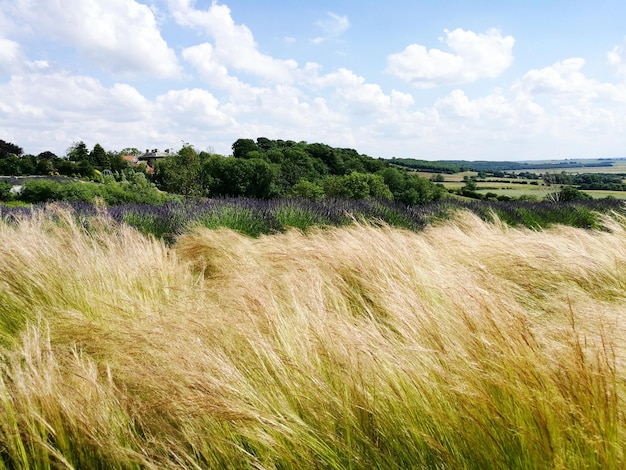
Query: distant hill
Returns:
{"type": "Point", "coordinates": [457, 166]}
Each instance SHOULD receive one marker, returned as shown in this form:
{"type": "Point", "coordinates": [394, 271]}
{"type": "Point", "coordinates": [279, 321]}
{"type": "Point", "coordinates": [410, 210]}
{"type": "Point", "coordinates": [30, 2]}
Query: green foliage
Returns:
{"type": "Point", "coordinates": [227, 176]}
{"type": "Point", "coordinates": [308, 190]}
{"type": "Point", "coordinates": [78, 152]}
{"type": "Point", "coordinates": [419, 190]}
{"type": "Point", "coordinates": [99, 158]}
{"type": "Point", "coordinates": [138, 189]}
{"type": "Point", "coordinates": [356, 186]}
{"type": "Point", "coordinates": [5, 192]}
{"type": "Point", "coordinates": [10, 165]}
{"type": "Point", "coordinates": [8, 148]}
{"type": "Point", "coordinates": [567, 194]}
{"type": "Point", "coordinates": [426, 165]}
{"type": "Point", "coordinates": [180, 173]}
{"type": "Point", "coordinates": [242, 147]}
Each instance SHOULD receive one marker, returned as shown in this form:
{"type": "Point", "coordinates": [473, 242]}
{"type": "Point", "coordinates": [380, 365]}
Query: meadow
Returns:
{"type": "Point", "coordinates": [465, 344]}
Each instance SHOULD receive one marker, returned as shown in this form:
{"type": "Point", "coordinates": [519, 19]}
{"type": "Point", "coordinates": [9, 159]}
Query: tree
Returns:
{"type": "Point", "coordinates": [470, 184]}
{"type": "Point", "coordinates": [308, 190]}
{"type": "Point", "coordinates": [130, 151]}
{"type": "Point", "coordinates": [78, 152]}
{"type": "Point", "coordinates": [241, 147]}
{"type": "Point", "coordinates": [419, 190]}
{"type": "Point", "coordinates": [394, 179]}
{"type": "Point", "coordinates": [48, 155]}
{"type": "Point", "coordinates": [180, 173]}
{"type": "Point", "coordinates": [240, 177]}
{"type": "Point", "coordinates": [10, 165]}
{"type": "Point", "coordinates": [99, 158]}
{"type": "Point", "coordinates": [357, 186]}
{"type": "Point", "coordinates": [7, 148]}
{"type": "Point", "coordinates": [568, 193]}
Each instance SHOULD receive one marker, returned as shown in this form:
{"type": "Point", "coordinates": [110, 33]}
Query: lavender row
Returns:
{"type": "Point", "coordinates": [256, 217]}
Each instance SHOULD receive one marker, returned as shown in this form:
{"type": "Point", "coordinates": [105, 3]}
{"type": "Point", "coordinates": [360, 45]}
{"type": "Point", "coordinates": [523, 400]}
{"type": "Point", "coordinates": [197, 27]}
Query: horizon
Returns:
{"type": "Point", "coordinates": [447, 81]}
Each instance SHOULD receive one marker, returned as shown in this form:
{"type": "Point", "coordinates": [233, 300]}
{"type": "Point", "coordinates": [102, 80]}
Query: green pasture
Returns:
{"type": "Point", "coordinates": [619, 166]}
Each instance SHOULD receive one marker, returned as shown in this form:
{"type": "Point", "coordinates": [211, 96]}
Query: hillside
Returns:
{"type": "Point", "coordinates": [467, 345]}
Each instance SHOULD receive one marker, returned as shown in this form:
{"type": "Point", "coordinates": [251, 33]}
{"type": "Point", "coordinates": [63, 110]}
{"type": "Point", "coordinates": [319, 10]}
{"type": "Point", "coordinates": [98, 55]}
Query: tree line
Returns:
{"type": "Point", "coordinates": [78, 161]}
{"type": "Point", "coordinates": [268, 169]}
{"type": "Point", "coordinates": [261, 169]}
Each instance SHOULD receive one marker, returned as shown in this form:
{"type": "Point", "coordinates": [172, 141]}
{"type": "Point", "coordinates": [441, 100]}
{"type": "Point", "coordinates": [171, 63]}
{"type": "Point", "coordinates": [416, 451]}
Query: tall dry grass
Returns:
{"type": "Point", "coordinates": [470, 345]}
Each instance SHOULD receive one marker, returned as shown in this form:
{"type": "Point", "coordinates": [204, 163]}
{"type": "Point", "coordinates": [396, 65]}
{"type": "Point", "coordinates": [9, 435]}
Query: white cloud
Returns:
{"type": "Point", "coordinates": [9, 54]}
{"type": "Point", "coordinates": [351, 92]}
{"type": "Point", "coordinates": [496, 110]}
{"type": "Point", "coordinates": [202, 57]}
{"type": "Point", "coordinates": [332, 26]}
{"type": "Point", "coordinates": [564, 82]}
{"type": "Point", "coordinates": [120, 36]}
{"type": "Point", "coordinates": [617, 57]}
{"type": "Point", "coordinates": [234, 44]}
{"type": "Point", "coordinates": [195, 107]}
{"type": "Point", "coordinates": [473, 56]}
{"type": "Point", "coordinates": [48, 110]}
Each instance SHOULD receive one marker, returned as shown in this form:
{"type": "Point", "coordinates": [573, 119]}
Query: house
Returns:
{"type": "Point", "coordinates": [132, 159]}
{"type": "Point", "coordinates": [151, 157]}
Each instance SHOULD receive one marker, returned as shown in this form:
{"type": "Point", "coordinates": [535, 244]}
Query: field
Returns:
{"type": "Point", "coordinates": [536, 189]}
{"type": "Point", "coordinates": [618, 167]}
{"type": "Point", "coordinates": [466, 345]}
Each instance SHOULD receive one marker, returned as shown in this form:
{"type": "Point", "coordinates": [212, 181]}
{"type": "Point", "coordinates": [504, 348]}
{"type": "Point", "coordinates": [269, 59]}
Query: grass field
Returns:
{"type": "Point", "coordinates": [618, 167]}
{"type": "Point", "coordinates": [467, 345]}
{"type": "Point", "coordinates": [515, 187]}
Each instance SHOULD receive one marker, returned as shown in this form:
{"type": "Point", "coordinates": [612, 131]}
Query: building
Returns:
{"type": "Point", "coordinates": [151, 157]}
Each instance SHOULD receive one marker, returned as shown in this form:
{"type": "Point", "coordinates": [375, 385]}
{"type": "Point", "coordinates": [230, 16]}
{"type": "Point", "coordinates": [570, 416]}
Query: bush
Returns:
{"type": "Point", "coordinates": [112, 193]}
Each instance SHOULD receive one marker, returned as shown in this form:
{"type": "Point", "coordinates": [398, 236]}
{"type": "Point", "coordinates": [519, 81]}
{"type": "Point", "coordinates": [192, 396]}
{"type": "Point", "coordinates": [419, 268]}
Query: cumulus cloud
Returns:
{"type": "Point", "coordinates": [351, 92]}
{"type": "Point", "coordinates": [195, 107]}
{"type": "Point", "coordinates": [473, 56]}
{"type": "Point", "coordinates": [565, 82]}
{"type": "Point", "coordinates": [120, 36]}
{"type": "Point", "coordinates": [332, 26]}
{"type": "Point", "coordinates": [9, 53]}
{"type": "Point", "coordinates": [234, 45]}
{"type": "Point", "coordinates": [48, 110]}
{"type": "Point", "coordinates": [60, 96]}
{"type": "Point", "coordinates": [495, 110]}
{"type": "Point", "coordinates": [617, 57]}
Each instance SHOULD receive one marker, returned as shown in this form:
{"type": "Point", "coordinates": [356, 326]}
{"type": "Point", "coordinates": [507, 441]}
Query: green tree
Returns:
{"type": "Point", "coordinates": [130, 151]}
{"type": "Point", "coordinates": [78, 152]}
{"type": "Point", "coordinates": [419, 190]}
{"type": "Point", "coordinates": [239, 177]}
{"type": "Point", "coordinates": [99, 158]}
{"type": "Point", "coordinates": [394, 179]}
{"type": "Point", "coordinates": [28, 164]}
{"type": "Point", "coordinates": [356, 186]}
{"type": "Point", "coordinates": [10, 165]}
{"type": "Point", "coordinates": [7, 148]}
{"type": "Point", "coordinates": [308, 190]}
{"type": "Point", "coordinates": [568, 193]}
{"type": "Point", "coordinates": [241, 147]}
{"type": "Point", "coordinates": [470, 183]}
{"type": "Point", "coordinates": [181, 173]}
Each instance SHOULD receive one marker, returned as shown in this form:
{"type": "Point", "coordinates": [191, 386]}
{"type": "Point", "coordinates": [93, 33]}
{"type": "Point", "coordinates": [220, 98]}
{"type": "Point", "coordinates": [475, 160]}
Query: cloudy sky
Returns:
{"type": "Point", "coordinates": [446, 79]}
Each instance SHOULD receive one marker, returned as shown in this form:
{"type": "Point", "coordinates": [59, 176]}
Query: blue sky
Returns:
{"type": "Point", "coordinates": [452, 79]}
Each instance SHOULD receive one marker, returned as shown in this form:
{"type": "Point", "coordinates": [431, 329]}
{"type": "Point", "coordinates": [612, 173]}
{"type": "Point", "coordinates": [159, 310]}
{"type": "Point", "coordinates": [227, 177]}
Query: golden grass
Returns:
{"type": "Point", "coordinates": [469, 345]}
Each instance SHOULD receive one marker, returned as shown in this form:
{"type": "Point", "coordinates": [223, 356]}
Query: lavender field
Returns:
{"type": "Point", "coordinates": [255, 217]}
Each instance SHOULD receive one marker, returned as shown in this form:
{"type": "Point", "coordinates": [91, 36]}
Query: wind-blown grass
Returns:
{"type": "Point", "coordinates": [466, 345]}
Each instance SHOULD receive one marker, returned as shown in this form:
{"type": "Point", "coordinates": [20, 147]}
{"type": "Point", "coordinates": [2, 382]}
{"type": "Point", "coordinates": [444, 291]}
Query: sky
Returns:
{"type": "Point", "coordinates": [434, 80]}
